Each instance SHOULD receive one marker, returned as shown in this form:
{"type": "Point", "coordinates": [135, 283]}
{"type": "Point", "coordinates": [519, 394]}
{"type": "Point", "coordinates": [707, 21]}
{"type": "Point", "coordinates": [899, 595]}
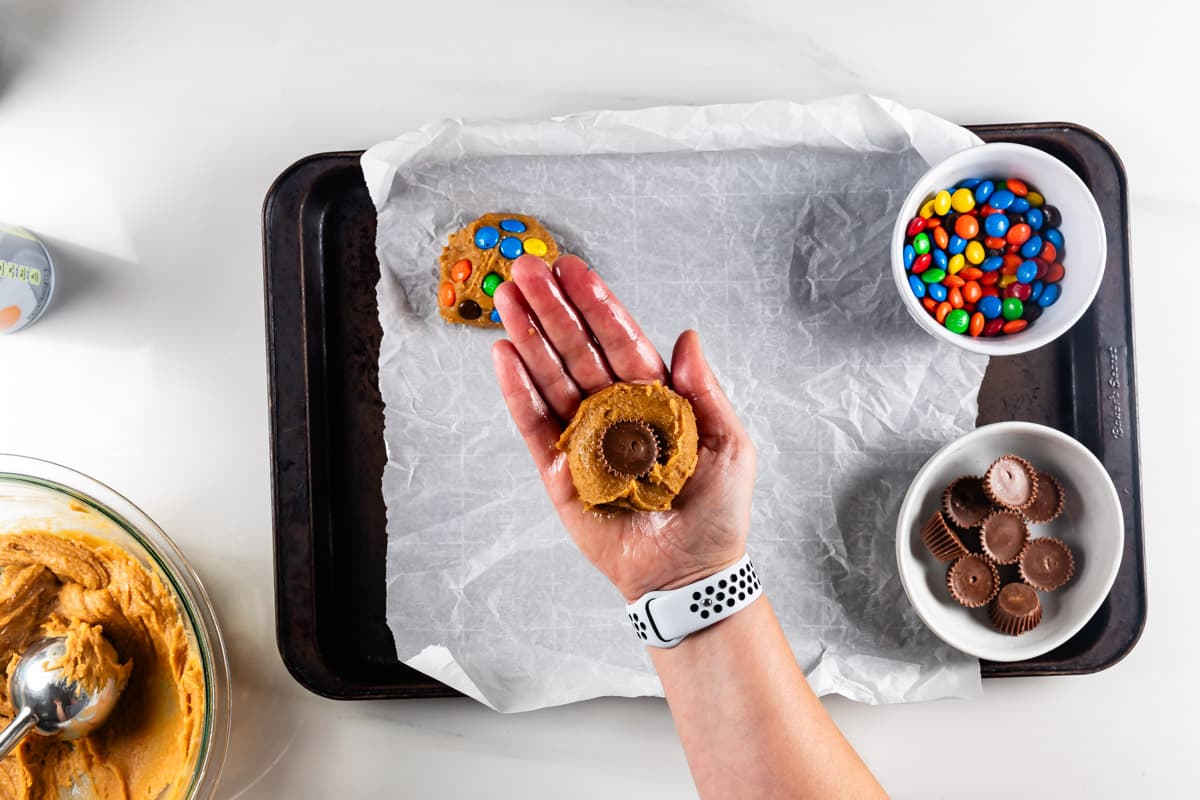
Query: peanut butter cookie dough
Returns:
{"type": "Point", "coordinates": [120, 623]}
{"type": "Point", "coordinates": [478, 258]}
{"type": "Point", "coordinates": [631, 446]}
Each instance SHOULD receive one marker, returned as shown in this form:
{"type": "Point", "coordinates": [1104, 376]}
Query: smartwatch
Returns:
{"type": "Point", "coordinates": [665, 618]}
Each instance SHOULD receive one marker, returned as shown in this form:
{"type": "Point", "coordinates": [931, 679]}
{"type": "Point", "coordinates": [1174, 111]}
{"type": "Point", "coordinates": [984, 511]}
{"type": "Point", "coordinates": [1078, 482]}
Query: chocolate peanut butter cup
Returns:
{"type": "Point", "coordinates": [1016, 609]}
{"type": "Point", "coordinates": [1011, 481]}
{"type": "Point", "coordinates": [965, 503]}
{"type": "Point", "coordinates": [941, 539]}
{"type": "Point", "coordinates": [629, 448]}
{"type": "Point", "coordinates": [1047, 564]}
{"type": "Point", "coordinates": [1048, 504]}
{"type": "Point", "coordinates": [972, 580]}
{"type": "Point", "coordinates": [1003, 536]}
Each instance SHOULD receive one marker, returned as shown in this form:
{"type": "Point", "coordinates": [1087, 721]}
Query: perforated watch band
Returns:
{"type": "Point", "coordinates": [666, 618]}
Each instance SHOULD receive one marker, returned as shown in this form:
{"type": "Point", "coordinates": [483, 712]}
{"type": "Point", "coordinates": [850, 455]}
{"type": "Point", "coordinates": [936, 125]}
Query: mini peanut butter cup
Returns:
{"type": "Point", "coordinates": [941, 539]}
{"type": "Point", "coordinates": [1047, 564]}
{"type": "Point", "coordinates": [1048, 504]}
{"type": "Point", "coordinates": [972, 580]}
{"type": "Point", "coordinates": [1003, 536]}
{"type": "Point", "coordinates": [1011, 481]}
{"type": "Point", "coordinates": [965, 502]}
{"type": "Point", "coordinates": [629, 448]}
{"type": "Point", "coordinates": [1016, 609]}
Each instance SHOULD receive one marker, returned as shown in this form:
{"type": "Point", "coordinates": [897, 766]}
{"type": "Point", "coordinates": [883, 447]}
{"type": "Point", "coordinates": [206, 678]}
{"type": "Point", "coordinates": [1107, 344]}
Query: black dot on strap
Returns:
{"type": "Point", "coordinates": [695, 595]}
{"type": "Point", "coordinates": [721, 583]}
{"type": "Point", "coordinates": [709, 590]}
{"type": "Point", "coordinates": [703, 615]}
{"type": "Point", "coordinates": [717, 608]}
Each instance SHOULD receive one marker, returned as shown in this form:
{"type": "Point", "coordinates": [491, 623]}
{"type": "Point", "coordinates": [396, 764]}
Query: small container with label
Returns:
{"type": "Point", "coordinates": [26, 279]}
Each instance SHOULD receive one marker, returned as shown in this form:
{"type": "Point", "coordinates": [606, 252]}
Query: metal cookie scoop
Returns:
{"type": "Point", "coordinates": [49, 704]}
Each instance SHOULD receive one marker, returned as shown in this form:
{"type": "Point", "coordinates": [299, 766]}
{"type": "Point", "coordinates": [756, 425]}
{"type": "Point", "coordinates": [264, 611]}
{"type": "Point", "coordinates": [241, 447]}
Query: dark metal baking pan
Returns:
{"type": "Point", "coordinates": [327, 451]}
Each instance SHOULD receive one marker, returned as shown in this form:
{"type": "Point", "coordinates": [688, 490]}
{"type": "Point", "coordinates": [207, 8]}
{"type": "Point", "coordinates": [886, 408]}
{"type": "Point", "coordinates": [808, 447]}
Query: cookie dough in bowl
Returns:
{"type": "Point", "coordinates": [631, 446]}
{"type": "Point", "coordinates": [79, 561]}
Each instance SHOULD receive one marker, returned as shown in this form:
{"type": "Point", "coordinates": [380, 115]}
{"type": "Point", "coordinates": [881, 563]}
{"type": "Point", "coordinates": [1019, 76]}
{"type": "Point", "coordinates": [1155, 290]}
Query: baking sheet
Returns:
{"type": "Point", "coordinates": [766, 228]}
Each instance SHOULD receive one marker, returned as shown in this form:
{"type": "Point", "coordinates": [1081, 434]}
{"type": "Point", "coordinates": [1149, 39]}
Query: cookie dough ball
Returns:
{"type": "Point", "coordinates": [631, 446]}
{"type": "Point", "coordinates": [478, 258]}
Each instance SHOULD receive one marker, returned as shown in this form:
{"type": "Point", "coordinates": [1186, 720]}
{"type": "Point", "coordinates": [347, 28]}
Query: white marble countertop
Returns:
{"type": "Point", "coordinates": [140, 138]}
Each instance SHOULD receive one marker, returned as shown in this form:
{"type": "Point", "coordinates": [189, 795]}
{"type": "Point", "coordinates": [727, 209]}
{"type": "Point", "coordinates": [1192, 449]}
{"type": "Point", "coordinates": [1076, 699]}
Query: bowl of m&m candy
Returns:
{"type": "Point", "coordinates": [999, 249]}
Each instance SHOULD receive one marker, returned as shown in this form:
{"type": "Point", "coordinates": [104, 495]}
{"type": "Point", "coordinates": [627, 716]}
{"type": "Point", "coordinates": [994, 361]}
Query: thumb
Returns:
{"type": "Point", "coordinates": [693, 378]}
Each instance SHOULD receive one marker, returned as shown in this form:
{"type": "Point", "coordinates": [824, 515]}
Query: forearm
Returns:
{"type": "Point", "coordinates": [749, 723]}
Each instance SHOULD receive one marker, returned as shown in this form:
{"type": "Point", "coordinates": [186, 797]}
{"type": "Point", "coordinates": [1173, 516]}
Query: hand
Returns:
{"type": "Point", "coordinates": [569, 337]}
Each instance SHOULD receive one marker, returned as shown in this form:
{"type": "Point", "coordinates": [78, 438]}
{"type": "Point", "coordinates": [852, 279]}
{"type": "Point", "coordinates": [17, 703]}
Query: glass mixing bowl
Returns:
{"type": "Point", "coordinates": [39, 494]}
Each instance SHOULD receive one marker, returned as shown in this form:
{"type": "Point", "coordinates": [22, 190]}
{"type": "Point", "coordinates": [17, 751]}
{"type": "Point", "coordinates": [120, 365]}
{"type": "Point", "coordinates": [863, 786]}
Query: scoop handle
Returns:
{"type": "Point", "coordinates": [12, 736]}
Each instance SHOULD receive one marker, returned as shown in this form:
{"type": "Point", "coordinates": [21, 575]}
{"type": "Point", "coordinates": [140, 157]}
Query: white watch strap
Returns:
{"type": "Point", "coordinates": [665, 618]}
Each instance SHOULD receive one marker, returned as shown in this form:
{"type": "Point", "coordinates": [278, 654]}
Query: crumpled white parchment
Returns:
{"type": "Point", "coordinates": [765, 227]}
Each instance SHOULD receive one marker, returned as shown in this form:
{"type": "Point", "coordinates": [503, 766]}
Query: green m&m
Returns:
{"type": "Point", "coordinates": [1012, 308]}
{"type": "Point", "coordinates": [491, 282]}
{"type": "Point", "coordinates": [957, 321]}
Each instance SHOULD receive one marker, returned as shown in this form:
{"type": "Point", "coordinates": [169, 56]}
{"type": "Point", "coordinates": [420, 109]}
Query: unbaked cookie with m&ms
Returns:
{"type": "Point", "coordinates": [478, 258]}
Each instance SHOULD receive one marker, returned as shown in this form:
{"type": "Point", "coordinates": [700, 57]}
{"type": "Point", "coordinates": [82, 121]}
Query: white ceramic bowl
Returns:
{"type": "Point", "coordinates": [1082, 228]}
{"type": "Point", "coordinates": [1091, 524]}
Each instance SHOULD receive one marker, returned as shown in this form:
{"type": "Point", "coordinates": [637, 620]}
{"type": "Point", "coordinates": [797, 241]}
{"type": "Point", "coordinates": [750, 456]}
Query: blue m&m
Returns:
{"type": "Point", "coordinates": [511, 247]}
{"type": "Point", "coordinates": [486, 237]}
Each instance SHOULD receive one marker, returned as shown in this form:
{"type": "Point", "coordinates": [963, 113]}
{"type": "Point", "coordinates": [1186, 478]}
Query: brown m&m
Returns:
{"type": "Point", "coordinates": [469, 309]}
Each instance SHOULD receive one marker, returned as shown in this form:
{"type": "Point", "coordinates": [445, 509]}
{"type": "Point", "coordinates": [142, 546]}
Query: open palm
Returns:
{"type": "Point", "coordinates": [569, 337]}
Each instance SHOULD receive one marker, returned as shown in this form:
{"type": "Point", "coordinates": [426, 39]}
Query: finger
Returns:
{"type": "Point", "coordinates": [529, 410]}
{"type": "Point", "coordinates": [693, 378]}
{"type": "Point", "coordinates": [541, 361]}
{"type": "Point", "coordinates": [562, 324]}
{"type": "Point", "coordinates": [629, 353]}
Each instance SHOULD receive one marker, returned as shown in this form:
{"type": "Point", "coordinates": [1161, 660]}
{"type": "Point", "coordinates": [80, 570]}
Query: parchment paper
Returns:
{"type": "Point", "coordinates": [765, 227]}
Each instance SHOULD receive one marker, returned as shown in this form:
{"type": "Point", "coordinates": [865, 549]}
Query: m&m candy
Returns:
{"type": "Point", "coordinates": [511, 247]}
{"type": "Point", "coordinates": [491, 282]}
{"type": "Point", "coordinates": [984, 256]}
{"type": "Point", "coordinates": [486, 237]}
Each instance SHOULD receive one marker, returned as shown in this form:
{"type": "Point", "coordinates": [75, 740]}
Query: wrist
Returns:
{"type": "Point", "coordinates": [740, 633]}
{"type": "Point", "coordinates": [668, 581]}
